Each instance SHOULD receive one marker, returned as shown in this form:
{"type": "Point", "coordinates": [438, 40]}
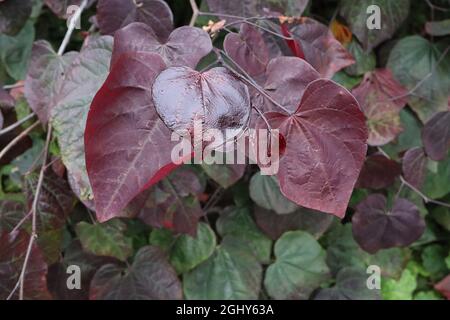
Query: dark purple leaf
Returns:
{"type": "Point", "coordinates": [185, 46]}
{"type": "Point", "coordinates": [319, 47]}
{"type": "Point", "coordinates": [60, 7]}
{"type": "Point", "coordinates": [150, 277]}
{"type": "Point", "coordinates": [123, 132]}
{"type": "Point", "coordinates": [172, 203]}
{"type": "Point", "coordinates": [13, 248]}
{"type": "Point", "coordinates": [382, 98]}
{"type": "Point", "coordinates": [436, 136]}
{"type": "Point", "coordinates": [375, 226]}
{"type": "Point", "coordinates": [378, 172]}
{"type": "Point", "coordinates": [11, 212]}
{"type": "Point", "coordinates": [414, 166]}
{"type": "Point", "coordinates": [13, 15]}
{"type": "Point", "coordinates": [248, 49]}
{"type": "Point", "coordinates": [6, 100]}
{"type": "Point", "coordinates": [46, 73]}
{"type": "Point", "coordinates": [326, 142]}
{"type": "Point", "coordinates": [113, 15]}
{"type": "Point", "coordinates": [216, 97]}
{"type": "Point", "coordinates": [274, 225]}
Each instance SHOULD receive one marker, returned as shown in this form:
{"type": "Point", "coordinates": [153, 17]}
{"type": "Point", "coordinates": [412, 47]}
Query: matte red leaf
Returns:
{"type": "Point", "coordinates": [414, 166]}
{"type": "Point", "coordinates": [377, 227]}
{"type": "Point", "coordinates": [436, 136]}
{"type": "Point", "coordinates": [45, 76]}
{"type": "Point", "coordinates": [216, 97]}
{"type": "Point", "coordinates": [378, 172]}
{"type": "Point", "coordinates": [326, 142]}
{"type": "Point", "coordinates": [185, 46]}
{"type": "Point", "coordinates": [128, 147]}
{"type": "Point", "coordinates": [248, 49]}
{"type": "Point", "coordinates": [320, 48]}
{"type": "Point", "coordinates": [444, 287]}
{"type": "Point", "coordinates": [173, 203]}
{"type": "Point", "coordinates": [13, 248]}
{"type": "Point", "coordinates": [150, 277]}
{"type": "Point", "coordinates": [382, 98]}
{"type": "Point", "coordinates": [113, 15]}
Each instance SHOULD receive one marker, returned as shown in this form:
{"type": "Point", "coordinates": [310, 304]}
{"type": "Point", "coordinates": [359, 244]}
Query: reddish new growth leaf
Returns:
{"type": "Point", "coordinates": [150, 277]}
{"type": "Point", "coordinates": [378, 172]}
{"type": "Point", "coordinates": [113, 15]}
{"type": "Point", "coordinates": [13, 248]}
{"type": "Point", "coordinates": [377, 227]}
{"type": "Point", "coordinates": [248, 49]}
{"type": "Point", "coordinates": [215, 97]}
{"type": "Point", "coordinates": [319, 46]}
{"type": "Point", "coordinates": [382, 98]}
{"type": "Point", "coordinates": [444, 287]}
{"type": "Point", "coordinates": [173, 203]}
{"type": "Point", "coordinates": [325, 135]}
{"type": "Point", "coordinates": [128, 147]}
{"type": "Point", "coordinates": [414, 166]}
{"type": "Point", "coordinates": [185, 46]}
{"type": "Point", "coordinates": [436, 136]}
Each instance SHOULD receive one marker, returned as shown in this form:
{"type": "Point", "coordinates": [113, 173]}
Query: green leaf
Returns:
{"type": "Point", "coordinates": [437, 184]}
{"type": "Point", "coordinates": [345, 80]}
{"type": "Point", "coordinates": [84, 78]}
{"type": "Point", "coordinates": [442, 216]}
{"type": "Point", "coordinates": [238, 224]}
{"type": "Point", "coordinates": [15, 51]}
{"type": "Point", "coordinates": [105, 239]}
{"type": "Point", "coordinates": [224, 174]}
{"type": "Point", "coordinates": [427, 295]}
{"type": "Point", "coordinates": [433, 259]}
{"type": "Point", "coordinates": [364, 62]}
{"type": "Point", "coordinates": [438, 28]}
{"type": "Point", "coordinates": [401, 289]}
{"type": "Point", "coordinates": [393, 13]}
{"type": "Point", "coordinates": [231, 273]}
{"type": "Point", "coordinates": [299, 267]}
{"type": "Point", "coordinates": [265, 191]}
{"type": "Point", "coordinates": [421, 66]}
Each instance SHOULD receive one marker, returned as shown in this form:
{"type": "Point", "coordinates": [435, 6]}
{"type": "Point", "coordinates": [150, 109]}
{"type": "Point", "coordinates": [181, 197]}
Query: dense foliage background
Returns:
{"type": "Point", "coordinates": [224, 231]}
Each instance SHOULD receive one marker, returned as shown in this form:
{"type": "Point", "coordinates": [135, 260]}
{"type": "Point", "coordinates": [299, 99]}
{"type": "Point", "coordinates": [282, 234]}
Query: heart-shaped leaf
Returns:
{"type": "Point", "coordinates": [150, 277]}
{"type": "Point", "coordinates": [377, 227]}
{"type": "Point", "coordinates": [436, 136]}
{"type": "Point", "coordinates": [173, 203]}
{"type": "Point", "coordinates": [124, 128]}
{"type": "Point", "coordinates": [113, 15]}
{"type": "Point", "coordinates": [325, 141]}
{"type": "Point", "coordinates": [364, 62]}
{"type": "Point", "coordinates": [381, 97]}
{"type": "Point", "coordinates": [13, 249]}
{"type": "Point", "coordinates": [13, 15]}
{"type": "Point", "coordinates": [185, 46]}
{"type": "Point", "coordinates": [299, 267]}
{"type": "Point", "coordinates": [225, 175]}
{"type": "Point", "coordinates": [45, 76]}
{"type": "Point", "coordinates": [392, 14]}
{"type": "Point", "coordinates": [414, 166]}
{"type": "Point", "coordinates": [215, 97]}
{"type": "Point", "coordinates": [231, 273]}
{"type": "Point", "coordinates": [378, 172]}
{"type": "Point", "coordinates": [248, 49]}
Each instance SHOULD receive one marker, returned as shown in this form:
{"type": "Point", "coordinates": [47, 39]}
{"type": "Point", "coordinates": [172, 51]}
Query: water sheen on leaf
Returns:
{"type": "Point", "coordinates": [150, 277]}
{"type": "Point", "coordinates": [185, 46]}
{"type": "Point", "coordinates": [377, 227]}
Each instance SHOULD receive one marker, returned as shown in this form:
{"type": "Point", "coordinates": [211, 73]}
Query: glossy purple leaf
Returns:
{"type": "Point", "coordinates": [173, 203]}
{"type": "Point", "coordinates": [46, 74]}
{"type": "Point", "coordinates": [326, 142]}
{"type": "Point", "coordinates": [123, 132]}
{"type": "Point", "coordinates": [185, 46]}
{"type": "Point", "coordinates": [436, 136]}
{"type": "Point", "coordinates": [382, 98]}
{"type": "Point", "coordinates": [216, 97]}
{"type": "Point", "coordinates": [150, 277]}
{"type": "Point", "coordinates": [319, 47]}
{"type": "Point", "coordinates": [377, 227]}
{"type": "Point", "coordinates": [248, 49]}
{"type": "Point", "coordinates": [415, 166]}
{"type": "Point", "coordinates": [13, 248]}
{"type": "Point", "coordinates": [275, 225]}
{"type": "Point", "coordinates": [113, 15]}
{"type": "Point", "coordinates": [378, 172]}
{"type": "Point", "coordinates": [13, 15]}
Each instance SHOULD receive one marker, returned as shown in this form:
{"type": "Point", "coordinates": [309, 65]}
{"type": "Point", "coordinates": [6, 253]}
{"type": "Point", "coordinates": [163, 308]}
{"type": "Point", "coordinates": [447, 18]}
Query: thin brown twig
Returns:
{"type": "Point", "coordinates": [17, 124]}
{"type": "Point", "coordinates": [13, 142]}
{"type": "Point", "coordinates": [195, 12]}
